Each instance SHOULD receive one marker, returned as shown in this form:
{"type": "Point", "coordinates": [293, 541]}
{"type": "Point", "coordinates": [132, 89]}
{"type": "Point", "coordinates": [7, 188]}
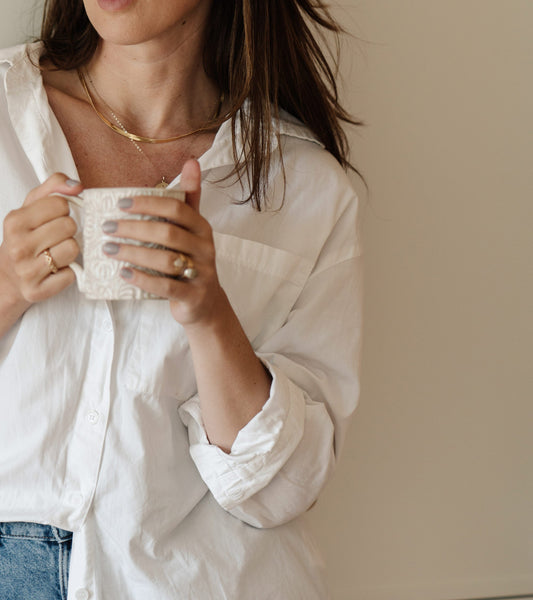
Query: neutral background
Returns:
{"type": "Point", "coordinates": [433, 499]}
{"type": "Point", "coordinates": [434, 496]}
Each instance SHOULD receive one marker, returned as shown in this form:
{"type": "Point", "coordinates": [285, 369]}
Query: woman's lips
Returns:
{"type": "Point", "coordinates": [114, 4]}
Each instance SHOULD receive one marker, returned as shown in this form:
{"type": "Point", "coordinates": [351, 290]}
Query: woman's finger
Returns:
{"type": "Point", "coordinates": [170, 209]}
{"type": "Point", "coordinates": [58, 183]}
{"type": "Point", "coordinates": [64, 253]}
{"type": "Point", "coordinates": [164, 287]}
{"type": "Point", "coordinates": [34, 270]}
{"type": "Point", "coordinates": [53, 233]}
{"type": "Point", "coordinates": [162, 233]}
{"type": "Point", "coordinates": [191, 183]}
{"type": "Point", "coordinates": [166, 262]}
{"type": "Point", "coordinates": [27, 218]}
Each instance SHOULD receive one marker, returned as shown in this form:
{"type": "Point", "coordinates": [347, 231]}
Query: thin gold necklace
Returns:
{"type": "Point", "coordinates": [139, 138]}
{"type": "Point", "coordinates": [163, 183]}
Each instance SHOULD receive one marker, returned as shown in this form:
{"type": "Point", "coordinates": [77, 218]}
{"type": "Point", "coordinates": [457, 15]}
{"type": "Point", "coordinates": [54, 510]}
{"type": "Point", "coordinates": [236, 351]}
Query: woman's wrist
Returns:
{"type": "Point", "coordinates": [233, 384]}
{"type": "Point", "coordinates": [12, 304]}
{"type": "Point", "coordinates": [11, 298]}
{"type": "Point", "coordinates": [213, 321]}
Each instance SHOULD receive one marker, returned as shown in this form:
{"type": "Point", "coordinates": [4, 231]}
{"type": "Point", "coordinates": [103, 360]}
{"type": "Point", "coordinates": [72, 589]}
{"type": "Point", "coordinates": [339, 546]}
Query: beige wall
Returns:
{"type": "Point", "coordinates": [434, 497]}
{"type": "Point", "coordinates": [18, 20]}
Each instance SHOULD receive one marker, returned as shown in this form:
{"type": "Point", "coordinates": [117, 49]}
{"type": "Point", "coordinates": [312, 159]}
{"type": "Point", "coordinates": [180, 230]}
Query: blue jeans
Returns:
{"type": "Point", "coordinates": [34, 561]}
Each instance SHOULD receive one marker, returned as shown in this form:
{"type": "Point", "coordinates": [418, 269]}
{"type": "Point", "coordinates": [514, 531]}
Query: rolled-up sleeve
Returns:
{"type": "Point", "coordinates": [282, 458]}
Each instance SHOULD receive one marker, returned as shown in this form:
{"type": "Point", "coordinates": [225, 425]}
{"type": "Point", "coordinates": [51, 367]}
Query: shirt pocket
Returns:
{"type": "Point", "coordinates": [262, 283]}
{"type": "Point", "coordinates": [156, 353]}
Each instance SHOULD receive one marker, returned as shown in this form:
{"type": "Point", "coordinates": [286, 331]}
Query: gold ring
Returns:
{"type": "Point", "coordinates": [185, 267]}
{"type": "Point", "coordinates": [190, 272]}
{"type": "Point", "coordinates": [180, 263]}
{"type": "Point", "coordinates": [52, 267]}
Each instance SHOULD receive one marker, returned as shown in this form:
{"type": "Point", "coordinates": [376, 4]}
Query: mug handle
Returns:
{"type": "Point", "coordinates": [78, 269]}
{"type": "Point", "coordinates": [80, 274]}
{"type": "Point", "coordinates": [74, 199]}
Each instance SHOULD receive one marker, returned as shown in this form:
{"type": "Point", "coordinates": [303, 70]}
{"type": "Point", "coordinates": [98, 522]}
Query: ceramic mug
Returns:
{"type": "Point", "coordinates": [99, 277]}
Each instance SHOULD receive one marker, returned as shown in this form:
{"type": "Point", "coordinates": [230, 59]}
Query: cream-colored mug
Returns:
{"type": "Point", "coordinates": [99, 277]}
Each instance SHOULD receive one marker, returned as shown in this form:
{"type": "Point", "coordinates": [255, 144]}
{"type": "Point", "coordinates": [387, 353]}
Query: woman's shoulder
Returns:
{"type": "Point", "coordinates": [307, 163]}
{"type": "Point", "coordinates": [300, 141]}
{"type": "Point", "coordinates": [289, 126]}
{"type": "Point", "coordinates": [27, 53]}
{"type": "Point", "coordinates": [23, 61]}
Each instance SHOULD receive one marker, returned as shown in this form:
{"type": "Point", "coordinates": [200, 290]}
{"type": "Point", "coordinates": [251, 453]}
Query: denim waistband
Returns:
{"type": "Point", "coordinates": [34, 531]}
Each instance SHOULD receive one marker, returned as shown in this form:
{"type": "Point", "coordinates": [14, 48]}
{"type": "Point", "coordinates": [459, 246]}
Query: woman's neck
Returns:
{"type": "Point", "coordinates": [159, 90]}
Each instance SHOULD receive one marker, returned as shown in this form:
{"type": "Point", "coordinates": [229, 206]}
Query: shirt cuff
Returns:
{"type": "Point", "coordinates": [260, 449]}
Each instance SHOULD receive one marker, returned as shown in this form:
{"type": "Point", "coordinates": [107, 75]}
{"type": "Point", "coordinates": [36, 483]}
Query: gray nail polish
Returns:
{"type": "Point", "coordinates": [109, 226]}
{"type": "Point", "coordinates": [126, 273]}
{"type": "Point", "coordinates": [111, 248]}
{"type": "Point", "coordinates": [125, 202]}
{"type": "Point", "coordinates": [72, 182]}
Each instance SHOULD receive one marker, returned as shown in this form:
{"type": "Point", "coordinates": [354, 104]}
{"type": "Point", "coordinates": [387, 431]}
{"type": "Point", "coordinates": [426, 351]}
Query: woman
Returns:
{"type": "Point", "coordinates": [181, 447]}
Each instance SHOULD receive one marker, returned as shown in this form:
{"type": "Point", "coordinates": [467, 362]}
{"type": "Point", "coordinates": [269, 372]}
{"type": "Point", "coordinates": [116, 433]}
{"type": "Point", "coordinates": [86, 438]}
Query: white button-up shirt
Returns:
{"type": "Point", "coordinates": [101, 430]}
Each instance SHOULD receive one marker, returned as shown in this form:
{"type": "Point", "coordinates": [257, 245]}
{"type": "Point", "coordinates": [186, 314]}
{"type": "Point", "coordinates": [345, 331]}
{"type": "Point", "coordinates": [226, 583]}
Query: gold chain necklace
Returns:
{"type": "Point", "coordinates": [139, 138]}
{"type": "Point", "coordinates": [162, 183]}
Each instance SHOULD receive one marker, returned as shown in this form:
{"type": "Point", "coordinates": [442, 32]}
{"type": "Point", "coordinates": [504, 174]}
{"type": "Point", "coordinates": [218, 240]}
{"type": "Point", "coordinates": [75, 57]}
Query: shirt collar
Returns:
{"type": "Point", "coordinates": [35, 122]}
{"type": "Point", "coordinates": [220, 154]}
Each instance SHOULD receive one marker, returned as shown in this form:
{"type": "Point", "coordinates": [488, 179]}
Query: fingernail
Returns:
{"type": "Point", "coordinates": [111, 248]}
{"type": "Point", "coordinates": [126, 273]}
{"type": "Point", "coordinates": [72, 182]}
{"type": "Point", "coordinates": [125, 202]}
{"type": "Point", "coordinates": [109, 226]}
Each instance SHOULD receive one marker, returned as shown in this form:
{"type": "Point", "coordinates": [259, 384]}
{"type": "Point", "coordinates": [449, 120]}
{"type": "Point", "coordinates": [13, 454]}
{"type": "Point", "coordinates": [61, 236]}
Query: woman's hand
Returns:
{"type": "Point", "coordinates": [41, 224]}
{"type": "Point", "coordinates": [232, 383]}
{"type": "Point", "coordinates": [185, 234]}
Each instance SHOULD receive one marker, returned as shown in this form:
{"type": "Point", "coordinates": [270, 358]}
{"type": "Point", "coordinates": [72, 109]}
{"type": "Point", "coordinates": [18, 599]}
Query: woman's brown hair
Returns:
{"type": "Point", "coordinates": [260, 50]}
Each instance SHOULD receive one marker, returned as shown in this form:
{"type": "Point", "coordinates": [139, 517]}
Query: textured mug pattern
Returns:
{"type": "Point", "coordinates": [100, 277]}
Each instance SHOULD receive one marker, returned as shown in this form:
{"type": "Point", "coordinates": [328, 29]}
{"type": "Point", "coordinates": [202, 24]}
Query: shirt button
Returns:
{"type": "Point", "coordinates": [107, 325]}
{"type": "Point", "coordinates": [93, 417]}
{"type": "Point", "coordinates": [82, 594]}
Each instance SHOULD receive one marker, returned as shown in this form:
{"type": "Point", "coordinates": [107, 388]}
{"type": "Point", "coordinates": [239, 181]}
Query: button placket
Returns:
{"type": "Point", "coordinates": [87, 442]}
